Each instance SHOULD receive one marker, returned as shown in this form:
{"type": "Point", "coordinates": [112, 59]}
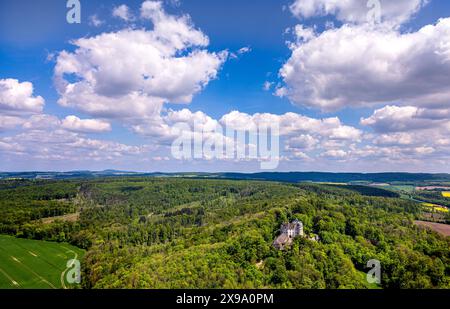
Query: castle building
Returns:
{"type": "Point", "coordinates": [288, 232]}
{"type": "Point", "coordinates": [293, 229]}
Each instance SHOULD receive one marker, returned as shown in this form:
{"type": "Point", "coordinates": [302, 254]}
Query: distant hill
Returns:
{"type": "Point", "coordinates": [70, 174]}
{"type": "Point", "coordinates": [340, 177]}
{"type": "Point", "coordinates": [272, 176]}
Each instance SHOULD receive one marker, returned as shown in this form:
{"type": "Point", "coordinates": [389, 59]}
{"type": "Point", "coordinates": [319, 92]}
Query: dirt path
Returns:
{"type": "Point", "coordinates": [68, 218]}
{"type": "Point", "coordinates": [63, 282]}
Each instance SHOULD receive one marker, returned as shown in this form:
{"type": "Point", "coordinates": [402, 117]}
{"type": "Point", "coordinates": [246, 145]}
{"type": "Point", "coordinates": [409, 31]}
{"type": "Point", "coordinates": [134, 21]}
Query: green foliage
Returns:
{"type": "Point", "coordinates": [369, 191]}
{"type": "Point", "coordinates": [196, 233]}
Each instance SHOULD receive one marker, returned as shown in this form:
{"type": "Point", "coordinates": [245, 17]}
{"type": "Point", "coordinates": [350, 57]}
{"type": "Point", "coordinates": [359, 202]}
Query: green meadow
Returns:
{"type": "Point", "coordinates": [34, 264]}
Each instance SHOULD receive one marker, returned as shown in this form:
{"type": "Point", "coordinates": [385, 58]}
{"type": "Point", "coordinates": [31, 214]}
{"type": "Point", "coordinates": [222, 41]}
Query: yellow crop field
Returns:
{"type": "Point", "coordinates": [435, 207]}
{"type": "Point", "coordinates": [442, 209]}
{"type": "Point", "coordinates": [446, 194]}
{"type": "Point", "coordinates": [429, 205]}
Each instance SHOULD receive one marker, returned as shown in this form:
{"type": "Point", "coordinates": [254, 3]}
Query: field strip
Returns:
{"type": "Point", "coordinates": [33, 254]}
{"type": "Point", "coordinates": [13, 282]}
{"type": "Point", "coordinates": [63, 282]}
{"type": "Point", "coordinates": [33, 272]}
{"type": "Point", "coordinates": [40, 258]}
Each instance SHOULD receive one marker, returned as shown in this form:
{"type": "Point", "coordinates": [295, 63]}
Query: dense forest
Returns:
{"type": "Point", "coordinates": [147, 232]}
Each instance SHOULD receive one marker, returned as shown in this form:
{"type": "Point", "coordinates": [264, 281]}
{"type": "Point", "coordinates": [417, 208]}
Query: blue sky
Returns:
{"type": "Point", "coordinates": [355, 97]}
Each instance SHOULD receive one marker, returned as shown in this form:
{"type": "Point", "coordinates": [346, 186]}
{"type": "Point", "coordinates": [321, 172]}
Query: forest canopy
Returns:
{"type": "Point", "coordinates": [144, 232]}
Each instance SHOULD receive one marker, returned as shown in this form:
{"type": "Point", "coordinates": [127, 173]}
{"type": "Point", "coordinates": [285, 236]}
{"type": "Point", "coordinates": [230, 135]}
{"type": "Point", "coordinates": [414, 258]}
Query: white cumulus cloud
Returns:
{"type": "Point", "coordinates": [122, 12]}
{"type": "Point", "coordinates": [356, 66]}
{"type": "Point", "coordinates": [406, 118]}
{"type": "Point", "coordinates": [75, 124]}
{"type": "Point", "coordinates": [358, 11]}
{"type": "Point", "coordinates": [16, 98]}
{"type": "Point", "coordinates": [9, 122]}
{"type": "Point", "coordinates": [132, 73]}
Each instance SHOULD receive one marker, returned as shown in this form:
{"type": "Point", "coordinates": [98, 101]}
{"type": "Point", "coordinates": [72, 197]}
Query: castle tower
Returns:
{"type": "Point", "coordinates": [298, 228]}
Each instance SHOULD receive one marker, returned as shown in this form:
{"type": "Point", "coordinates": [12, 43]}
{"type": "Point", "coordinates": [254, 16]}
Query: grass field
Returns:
{"type": "Point", "coordinates": [405, 188]}
{"type": "Point", "coordinates": [36, 264]}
